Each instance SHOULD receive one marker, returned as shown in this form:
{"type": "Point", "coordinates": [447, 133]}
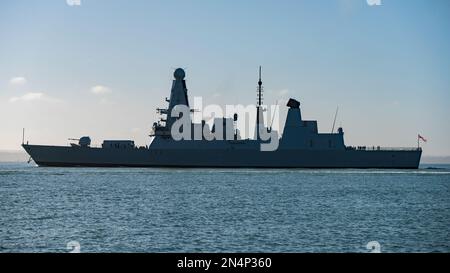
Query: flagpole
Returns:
{"type": "Point", "coordinates": [418, 142]}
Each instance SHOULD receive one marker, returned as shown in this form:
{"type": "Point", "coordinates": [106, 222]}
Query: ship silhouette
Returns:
{"type": "Point", "coordinates": [300, 146]}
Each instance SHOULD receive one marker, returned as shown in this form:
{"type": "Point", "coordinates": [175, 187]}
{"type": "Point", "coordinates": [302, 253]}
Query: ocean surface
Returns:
{"type": "Point", "coordinates": [220, 210]}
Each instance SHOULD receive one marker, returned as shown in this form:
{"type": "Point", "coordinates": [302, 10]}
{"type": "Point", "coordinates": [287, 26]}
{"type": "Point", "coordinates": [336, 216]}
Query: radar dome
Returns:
{"type": "Point", "coordinates": [179, 74]}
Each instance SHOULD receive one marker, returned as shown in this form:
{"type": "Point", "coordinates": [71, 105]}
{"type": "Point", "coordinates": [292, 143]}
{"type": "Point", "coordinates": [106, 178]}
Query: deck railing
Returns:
{"type": "Point", "coordinates": [378, 148]}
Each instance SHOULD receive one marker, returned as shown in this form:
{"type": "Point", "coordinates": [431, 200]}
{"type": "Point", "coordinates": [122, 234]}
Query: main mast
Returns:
{"type": "Point", "coordinates": [259, 88]}
{"type": "Point", "coordinates": [178, 96]}
{"type": "Point", "coordinates": [259, 110]}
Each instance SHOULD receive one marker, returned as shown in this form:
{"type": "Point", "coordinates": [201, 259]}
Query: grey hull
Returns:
{"type": "Point", "coordinates": [221, 146]}
{"type": "Point", "coordinates": [59, 156]}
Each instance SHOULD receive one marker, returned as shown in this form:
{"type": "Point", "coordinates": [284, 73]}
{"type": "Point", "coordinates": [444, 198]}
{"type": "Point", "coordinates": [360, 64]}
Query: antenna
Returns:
{"type": "Point", "coordinates": [259, 103]}
{"type": "Point", "coordinates": [259, 88]}
{"type": "Point", "coordinates": [23, 136]}
{"type": "Point", "coordinates": [260, 75]}
{"type": "Point", "coordinates": [335, 116]}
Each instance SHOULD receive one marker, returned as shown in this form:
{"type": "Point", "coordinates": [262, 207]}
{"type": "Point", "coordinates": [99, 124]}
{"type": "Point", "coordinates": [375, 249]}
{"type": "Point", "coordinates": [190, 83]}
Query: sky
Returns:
{"type": "Point", "coordinates": [101, 68]}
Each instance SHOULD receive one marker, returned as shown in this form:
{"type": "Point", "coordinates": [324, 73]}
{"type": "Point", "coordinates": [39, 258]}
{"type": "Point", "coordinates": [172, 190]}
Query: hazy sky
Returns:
{"type": "Point", "coordinates": [101, 68]}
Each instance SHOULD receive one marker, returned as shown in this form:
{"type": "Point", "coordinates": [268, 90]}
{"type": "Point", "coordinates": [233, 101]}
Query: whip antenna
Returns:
{"type": "Point", "coordinates": [335, 116]}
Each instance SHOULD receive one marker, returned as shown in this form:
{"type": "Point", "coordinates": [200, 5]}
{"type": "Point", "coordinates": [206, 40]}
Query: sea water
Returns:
{"type": "Point", "coordinates": [223, 210]}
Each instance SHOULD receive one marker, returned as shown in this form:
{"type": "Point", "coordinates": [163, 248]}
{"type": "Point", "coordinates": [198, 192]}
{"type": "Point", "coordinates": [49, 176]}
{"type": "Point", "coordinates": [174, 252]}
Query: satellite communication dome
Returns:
{"type": "Point", "coordinates": [179, 74]}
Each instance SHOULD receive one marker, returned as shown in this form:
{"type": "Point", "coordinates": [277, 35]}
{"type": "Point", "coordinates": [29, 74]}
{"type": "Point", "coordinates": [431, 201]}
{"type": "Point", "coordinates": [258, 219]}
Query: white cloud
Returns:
{"type": "Point", "coordinates": [100, 90]}
{"type": "Point", "coordinates": [283, 92]}
{"type": "Point", "coordinates": [27, 97]}
{"type": "Point", "coordinates": [104, 101]}
{"type": "Point", "coordinates": [18, 81]}
{"type": "Point", "coordinates": [33, 96]}
{"type": "Point", "coordinates": [279, 93]}
{"type": "Point", "coordinates": [73, 2]}
{"type": "Point", "coordinates": [374, 2]}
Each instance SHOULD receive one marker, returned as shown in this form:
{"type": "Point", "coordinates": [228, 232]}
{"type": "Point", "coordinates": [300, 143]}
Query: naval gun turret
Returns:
{"type": "Point", "coordinates": [82, 142]}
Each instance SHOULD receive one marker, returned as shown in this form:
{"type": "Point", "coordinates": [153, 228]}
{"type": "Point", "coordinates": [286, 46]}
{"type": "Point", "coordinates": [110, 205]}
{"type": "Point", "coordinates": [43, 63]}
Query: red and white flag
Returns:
{"type": "Point", "coordinates": [422, 138]}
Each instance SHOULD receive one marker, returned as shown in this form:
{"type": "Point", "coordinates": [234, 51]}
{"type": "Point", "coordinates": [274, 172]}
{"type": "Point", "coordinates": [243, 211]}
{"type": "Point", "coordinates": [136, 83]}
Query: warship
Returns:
{"type": "Point", "coordinates": [300, 144]}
